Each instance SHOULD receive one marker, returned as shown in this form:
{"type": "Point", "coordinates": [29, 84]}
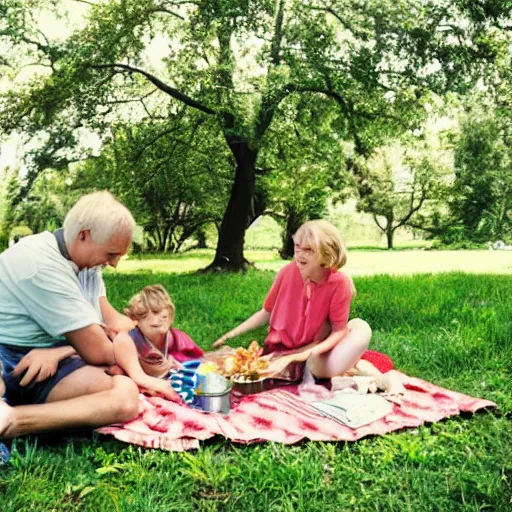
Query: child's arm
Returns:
{"type": "Point", "coordinates": [127, 358]}
{"type": "Point", "coordinates": [257, 320]}
{"type": "Point", "coordinates": [174, 363]}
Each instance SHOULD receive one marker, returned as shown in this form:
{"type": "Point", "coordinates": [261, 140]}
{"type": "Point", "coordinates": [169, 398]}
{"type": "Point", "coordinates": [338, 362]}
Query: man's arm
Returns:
{"type": "Point", "coordinates": [114, 320]}
{"type": "Point", "coordinates": [92, 345]}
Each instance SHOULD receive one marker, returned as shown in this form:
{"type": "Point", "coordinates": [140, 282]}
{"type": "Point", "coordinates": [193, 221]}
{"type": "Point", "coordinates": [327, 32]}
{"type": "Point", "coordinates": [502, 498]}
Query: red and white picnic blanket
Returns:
{"type": "Point", "coordinates": [284, 415]}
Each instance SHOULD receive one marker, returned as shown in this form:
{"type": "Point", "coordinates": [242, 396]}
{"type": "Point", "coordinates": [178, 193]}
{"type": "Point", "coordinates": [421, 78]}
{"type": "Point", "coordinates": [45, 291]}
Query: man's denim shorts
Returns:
{"type": "Point", "coordinates": [33, 393]}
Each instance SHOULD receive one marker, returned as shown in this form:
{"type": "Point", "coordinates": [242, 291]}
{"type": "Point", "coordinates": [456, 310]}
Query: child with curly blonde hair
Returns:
{"type": "Point", "coordinates": [153, 348]}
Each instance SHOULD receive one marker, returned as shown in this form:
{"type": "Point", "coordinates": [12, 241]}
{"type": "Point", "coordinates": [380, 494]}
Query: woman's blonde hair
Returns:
{"type": "Point", "coordinates": [102, 214]}
{"type": "Point", "coordinates": [325, 240]}
{"type": "Point", "coordinates": [150, 298]}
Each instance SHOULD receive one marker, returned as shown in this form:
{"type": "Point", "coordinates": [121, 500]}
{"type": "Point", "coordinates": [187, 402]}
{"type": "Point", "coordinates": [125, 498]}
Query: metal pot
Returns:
{"type": "Point", "coordinates": [214, 402]}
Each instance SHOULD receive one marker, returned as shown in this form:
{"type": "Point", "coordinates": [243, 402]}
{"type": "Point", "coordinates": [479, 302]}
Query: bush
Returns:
{"type": "Point", "coordinates": [18, 232]}
{"type": "Point", "coordinates": [4, 239]}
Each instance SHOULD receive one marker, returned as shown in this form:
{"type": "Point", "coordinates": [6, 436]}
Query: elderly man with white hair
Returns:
{"type": "Point", "coordinates": [53, 309]}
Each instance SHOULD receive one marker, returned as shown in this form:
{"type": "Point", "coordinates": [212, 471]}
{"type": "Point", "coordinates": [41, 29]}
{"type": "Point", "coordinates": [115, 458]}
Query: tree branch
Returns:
{"type": "Point", "coordinates": [151, 142]}
{"type": "Point", "coordinates": [163, 10]}
{"type": "Point", "coordinates": [225, 60]}
{"type": "Point", "coordinates": [42, 47]}
{"type": "Point", "coordinates": [180, 2]}
{"type": "Point", "coordinates": [268, 108]}
{"type": "Point", "coordinates": [347, 107]}
{"type": "Point", "coordinates": [327, 92]}
{"type": "Point", "coordinates": [171, 91]}
{"type": "Point", "coordinates": [85, 2]}
{"type": "Point", "coordinates": [334, 14]}
{"type": "Point", "coordinates": [150, 115]}
{"type": "Point", "coordinates": [412, 211]}
{"type": "Point", "coordinates": [275, 49]}
{"type": "Point", "coordinates": [378, 223]}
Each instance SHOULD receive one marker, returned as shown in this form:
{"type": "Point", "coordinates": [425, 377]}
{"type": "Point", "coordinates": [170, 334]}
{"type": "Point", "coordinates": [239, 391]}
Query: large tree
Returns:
{"type": "Point", "coordinates": [236, 61]}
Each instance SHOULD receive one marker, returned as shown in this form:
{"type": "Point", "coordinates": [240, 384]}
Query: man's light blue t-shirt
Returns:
{"type": "Point", "coordinates": [41, 298]}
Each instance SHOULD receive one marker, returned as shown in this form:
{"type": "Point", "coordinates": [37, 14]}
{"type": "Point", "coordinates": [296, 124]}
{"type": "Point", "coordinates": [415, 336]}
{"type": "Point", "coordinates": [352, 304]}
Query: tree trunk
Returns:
{"type": "Point", "coordinates": [259, 203]}
{"type": "Point", "coordinates": [160, 241]}
{"type": "Point", "coordinates": [389, 233]}
{"type": "Point", "coordinates": [229, 255]}
{"type": "Point", "coordinates": [201, 239]}
{"type": "Point", "coordinates": [293, 223]}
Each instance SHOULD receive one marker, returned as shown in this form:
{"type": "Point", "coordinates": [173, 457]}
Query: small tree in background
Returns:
{"type": "Point", "coordinates": [172, 175]}
{"type": "Point", "coordinates": [404, 182]}
{"type": "Point", "coordinates": [45, 206]}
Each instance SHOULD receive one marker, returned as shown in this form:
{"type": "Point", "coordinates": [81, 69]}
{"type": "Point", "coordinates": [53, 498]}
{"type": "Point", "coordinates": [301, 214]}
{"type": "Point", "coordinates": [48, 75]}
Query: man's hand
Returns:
{"type": "Point", "coordinates": [159, 387]}
{"type": "Point", "coordinates": [115, 369]}
{"type": "Point", "coordinates": [40, 364]}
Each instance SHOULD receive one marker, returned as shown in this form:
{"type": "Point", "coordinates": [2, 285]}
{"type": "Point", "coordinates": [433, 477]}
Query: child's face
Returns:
{"type": "Point", "coordinates": [155, 323]}
{"type": "Point", "coordinates": [307, 260]}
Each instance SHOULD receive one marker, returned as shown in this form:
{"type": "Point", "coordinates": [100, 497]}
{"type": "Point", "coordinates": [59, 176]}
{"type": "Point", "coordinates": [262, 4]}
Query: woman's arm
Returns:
{"type": "Point", "coordinates": [330, 342]}
{"type": "Point", "coordinates": [257, 320]}
{"type": "Point", "coordinates": [277, 365]}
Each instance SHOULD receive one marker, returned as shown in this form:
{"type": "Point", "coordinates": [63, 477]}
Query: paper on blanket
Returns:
{"type": "Point", "coordinates": [354, 410]}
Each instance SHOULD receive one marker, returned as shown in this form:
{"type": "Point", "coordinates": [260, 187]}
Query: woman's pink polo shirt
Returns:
{"type": "Point", "coordinates": [303, 311]}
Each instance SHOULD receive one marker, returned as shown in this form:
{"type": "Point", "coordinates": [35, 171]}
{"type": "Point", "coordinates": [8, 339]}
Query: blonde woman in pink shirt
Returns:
{"type": "Point", "coordinates": [307, 310]}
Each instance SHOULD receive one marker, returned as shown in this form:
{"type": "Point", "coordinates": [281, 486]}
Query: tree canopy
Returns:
{"type": "Point", "coordinates": [237, 64]}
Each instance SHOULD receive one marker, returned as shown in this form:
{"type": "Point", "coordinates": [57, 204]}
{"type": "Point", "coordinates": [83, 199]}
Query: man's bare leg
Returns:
{"type": "Point", "coordinates": [7, 416]}
{"type": "Point", "coordinates": [85, 398]}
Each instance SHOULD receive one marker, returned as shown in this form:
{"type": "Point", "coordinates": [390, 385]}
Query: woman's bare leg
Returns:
{"type": "Point", "coordinates": [345, 354]}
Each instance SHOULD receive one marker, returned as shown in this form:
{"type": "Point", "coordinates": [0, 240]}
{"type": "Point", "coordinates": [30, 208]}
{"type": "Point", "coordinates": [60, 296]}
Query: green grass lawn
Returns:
{"type": "Point", "coordinates": [454, 329]}
{"type": "Point", "coordinates": [360, 262]}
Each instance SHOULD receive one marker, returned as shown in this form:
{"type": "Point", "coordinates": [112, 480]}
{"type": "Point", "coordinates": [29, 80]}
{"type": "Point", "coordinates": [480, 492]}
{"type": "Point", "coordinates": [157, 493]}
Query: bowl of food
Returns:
{"type": "Point", "coordinates": [245, 368]}
{"type": "Point", "coordinates": [249, 387]}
